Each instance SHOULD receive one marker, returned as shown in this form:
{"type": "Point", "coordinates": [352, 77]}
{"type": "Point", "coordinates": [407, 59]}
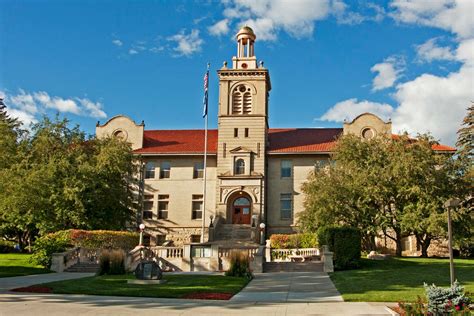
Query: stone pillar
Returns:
{"type": "Point", "coordinates": [57, 262]}
{"type": "Point", "coordinates": [214, 260]}
{"type": "Point", "coordinates": [326, 258]}
{"type": "Point", "coordinates": [268, 251]}
{"type": "Point", "coordinates": [186, 264]}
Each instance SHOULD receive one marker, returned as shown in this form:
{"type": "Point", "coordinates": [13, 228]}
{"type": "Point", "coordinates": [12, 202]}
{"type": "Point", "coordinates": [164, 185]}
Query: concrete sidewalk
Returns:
{"type": "Point", "coordinates": [311, 287]}
{"type": "Point", "coordinates": [27, 280]}
{"type": "Point", "coordinates": [20, 304]}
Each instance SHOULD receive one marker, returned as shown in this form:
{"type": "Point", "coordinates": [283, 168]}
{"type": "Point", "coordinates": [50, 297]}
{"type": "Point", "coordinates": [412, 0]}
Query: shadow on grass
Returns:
{"type": "Point", "coordinates": [399, 278]}
{"type": "Point", "coordinates": [11, 271]}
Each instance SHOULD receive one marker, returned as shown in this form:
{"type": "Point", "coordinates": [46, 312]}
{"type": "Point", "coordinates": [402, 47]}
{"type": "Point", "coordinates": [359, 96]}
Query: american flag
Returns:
{"type": "Point", "coordinates": [206, 86]}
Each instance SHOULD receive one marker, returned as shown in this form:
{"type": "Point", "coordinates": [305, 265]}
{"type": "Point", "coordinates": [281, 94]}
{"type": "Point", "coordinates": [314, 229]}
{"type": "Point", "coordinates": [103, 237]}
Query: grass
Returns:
{"type": "Point", "coordinates": [400, 279]}
{"type": "Point", "coordinates": [177, 286]}
{"type": "Point", "coordinates": [17, 264]}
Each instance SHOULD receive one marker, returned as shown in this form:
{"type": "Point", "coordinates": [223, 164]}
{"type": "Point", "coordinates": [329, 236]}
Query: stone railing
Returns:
{"type": "Point", "coordinates": [326, 258]}
{"type": "Point", "coordinates": [225, 252]}
{"type": "Point", "coordinates": [297, 254]}
{"type": "Point", "coordinates": [63, 260]}
{"type": "Point", "coordinates": [168, 252]}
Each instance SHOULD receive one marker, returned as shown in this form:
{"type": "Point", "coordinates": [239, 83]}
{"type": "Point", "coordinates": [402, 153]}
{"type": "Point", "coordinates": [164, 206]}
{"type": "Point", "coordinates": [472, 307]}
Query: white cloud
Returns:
{"type": "Point", "coordinates": [187, 44]}
{"type": "Point", "coordinates": [26, 105]}
{"type": "Point", "coordinates": [428, 103]}
{"type": "Point", "coordinates": [219, 28]}
{"type": "Point", "coordinates": [349, 109]}
{"type": "Point", "coordinates": [345, 16]}
{"type": "Point", "coordinates": [117, 42]}
{"type": "Point", "coordinates": [267, 17]}
{"type": "Point", "coordinates": [93, 109]}
{"type": "Point", "coordinates": [387, 73]}
{"type": "Point", "coordinates": [430, 51]}
{"type": "Point", "coordinates": [455, 16]}
{"type": "Point", "coordinates": [132, 51]}
{"type": "Point", "coordinates": [57, 103]}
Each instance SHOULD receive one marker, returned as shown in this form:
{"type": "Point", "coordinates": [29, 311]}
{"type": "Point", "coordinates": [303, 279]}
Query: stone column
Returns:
{"type": "Point", "coordinates": [326, 258]}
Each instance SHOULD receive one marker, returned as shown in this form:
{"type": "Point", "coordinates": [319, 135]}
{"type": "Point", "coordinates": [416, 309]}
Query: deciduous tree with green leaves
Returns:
{"type": "Point", "coordinates": [392, 185]}
{"type": "Point", "coordinates": [60, 179]}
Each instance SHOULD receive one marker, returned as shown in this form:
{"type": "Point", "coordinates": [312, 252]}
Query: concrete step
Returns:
{"type": "Point", "coordinates": [234, 232]}
{"type": "Point", "coordinates": [83, 267]}
{"type": "Point", "coordinates": [311, 266]}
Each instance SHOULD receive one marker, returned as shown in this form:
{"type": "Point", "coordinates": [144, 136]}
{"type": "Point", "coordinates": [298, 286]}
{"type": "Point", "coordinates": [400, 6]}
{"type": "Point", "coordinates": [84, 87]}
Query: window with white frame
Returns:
{"type": "Point", "coordinates": [239, 166]}
{"type": "Point", "coordinates": [286, 168]}
{"type": "Point", "coordinates": [148, 206]}
{"type": "Point", "coordinates": [165, 170]}
{"type": "Point", "coordinates": [198, 170]}
{"type": "Point", "coordinates": [150, 170]}
{"type": "Point", "coordinates": [197, 206]}
{"type": "Point", "coordinates": [286, 205]}
{"type": "Point", "coordinates": [163, 204]}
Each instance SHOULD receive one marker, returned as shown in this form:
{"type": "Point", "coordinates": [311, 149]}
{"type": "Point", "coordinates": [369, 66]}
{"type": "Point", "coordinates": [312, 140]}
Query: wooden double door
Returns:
{"type": "Point", "coordinates": [241, 211]}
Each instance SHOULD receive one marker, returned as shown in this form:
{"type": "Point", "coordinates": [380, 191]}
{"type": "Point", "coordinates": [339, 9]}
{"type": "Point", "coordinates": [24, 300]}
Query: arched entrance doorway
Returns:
{"type": "Point", "coordinates": [241, 209]}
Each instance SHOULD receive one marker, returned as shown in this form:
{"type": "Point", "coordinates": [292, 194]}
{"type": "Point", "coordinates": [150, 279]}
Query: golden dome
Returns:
{"type": "Point", "coordinates": [246, 31]}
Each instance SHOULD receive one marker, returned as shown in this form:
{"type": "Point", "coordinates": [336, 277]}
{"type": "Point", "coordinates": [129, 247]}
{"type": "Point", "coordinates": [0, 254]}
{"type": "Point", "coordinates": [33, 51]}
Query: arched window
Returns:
{"type": "Point", "coordinates": [150, 170]}
{"type": "Point", "coordinates": [240, 166]}
{"type": "Point", "coordinates": [242, 100]}
{"type": "Point", "coordinates": [242, 201]}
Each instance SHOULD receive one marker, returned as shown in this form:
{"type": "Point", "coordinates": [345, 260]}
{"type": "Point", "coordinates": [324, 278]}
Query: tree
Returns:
{"type": "Point", "coordinates": [10, 133]}
{"type": "Point", "coordinates": [392, 185]}
{"type": "Point", "coordinates": [62, 180]}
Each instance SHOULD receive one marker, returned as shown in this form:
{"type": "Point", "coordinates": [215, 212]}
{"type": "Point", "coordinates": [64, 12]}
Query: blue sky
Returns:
{"type": "Point", "coordinates": [329, 60]}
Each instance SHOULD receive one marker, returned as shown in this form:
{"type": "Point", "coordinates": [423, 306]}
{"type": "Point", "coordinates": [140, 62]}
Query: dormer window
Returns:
{"type": "Point", "coordinates": [239, 166]}
{"type": "Point", "coordinates": [242, 100]}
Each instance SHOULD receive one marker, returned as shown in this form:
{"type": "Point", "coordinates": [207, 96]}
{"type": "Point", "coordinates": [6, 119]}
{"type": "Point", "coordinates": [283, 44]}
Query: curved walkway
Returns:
{"type": "Point", "coordinates": [27, 280]}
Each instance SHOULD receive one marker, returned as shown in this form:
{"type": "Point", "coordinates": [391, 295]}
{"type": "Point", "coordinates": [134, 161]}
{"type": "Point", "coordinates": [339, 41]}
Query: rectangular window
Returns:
{"type": "Point", "coordinates": [246, 132]}
{"type": "Point", "coordinates": [146, 240]}
{"type": "Point", "coordinates": [236, 132]}
{"type": "Point", "coordinates": [150, 170]}
{"type": "Point", "coordinates": [163, 203]}
{"type": "Point", "coordinates": [286, 168]}
{"type": "Point", "coordinates": [165, 170]}
{"type": "Point", "coordinates": [197, 206]}
{"type": "Point", "coordinates": [148, 206]}
{"type": "Point", "coordinates": [195, 238]}
{"type": "Point", "coordinates": [200, 252]}
{"type": "Point", "coordinates": [160, 239]}
{"type": "Point", "coordinates": [198, 170]}
{"type": "Point", "coordinates": [286, 205]}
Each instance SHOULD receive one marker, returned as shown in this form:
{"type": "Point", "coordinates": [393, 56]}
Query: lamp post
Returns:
{"type": "Point", "coordinates": [142, 228]}
{"type": "Point", "coordinates": [262, 233]}
{"type": "Point", "coordinates": [451, 204]}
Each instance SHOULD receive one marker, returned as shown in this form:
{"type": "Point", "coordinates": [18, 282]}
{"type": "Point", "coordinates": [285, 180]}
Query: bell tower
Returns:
{"type": "Point", "coordinates": [242, 133]}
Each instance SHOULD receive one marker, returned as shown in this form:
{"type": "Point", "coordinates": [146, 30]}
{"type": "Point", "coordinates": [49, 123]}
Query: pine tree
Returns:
{"type": "Point", "coordinates": [465, 141]}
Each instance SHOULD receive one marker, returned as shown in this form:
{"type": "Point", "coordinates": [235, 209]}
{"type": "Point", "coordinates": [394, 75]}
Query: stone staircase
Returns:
{"type": "Point", "coordinates": [308, 266]}
{"type": "Point", "coordinates": [234, 233]}
{"type": "Point", "coordinates": [83, 267]}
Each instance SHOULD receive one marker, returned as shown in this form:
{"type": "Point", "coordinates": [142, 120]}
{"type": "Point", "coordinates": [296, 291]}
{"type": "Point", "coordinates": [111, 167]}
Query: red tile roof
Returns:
{"type": "Point", "coordinates": [281, 140]}
{"type": "Point", "coordinates": [178, 142]}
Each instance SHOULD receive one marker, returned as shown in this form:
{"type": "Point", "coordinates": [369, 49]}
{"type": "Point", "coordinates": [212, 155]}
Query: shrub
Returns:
{"type": "Point", "coordinates": [6, 246]}
{"type": "Point", "coordinates": [112, 262]}
{"type": "Point", "coordinates": [282, 241]}
{"type": "Point", "coordinates": [442, 300]}
{"type": "Point", "coordinates": [59, 241]}
{"type": "Point", "coordinates": [239, 265]}
{"type": "Point", "coordinates": [45, 246]}
{"type": "Point", "coordinates": [344, 242]}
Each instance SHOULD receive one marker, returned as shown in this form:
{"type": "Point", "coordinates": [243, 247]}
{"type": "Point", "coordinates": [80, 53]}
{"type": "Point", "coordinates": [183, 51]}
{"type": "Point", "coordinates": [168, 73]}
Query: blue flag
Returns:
{"type": "Point", "coordinates": [206, 86]}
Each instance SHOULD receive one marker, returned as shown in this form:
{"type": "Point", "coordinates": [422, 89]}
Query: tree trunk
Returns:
{"type": "Point", "coordinates": [424, 244]}
{"type": "Point", "coordinates": [398, 242]}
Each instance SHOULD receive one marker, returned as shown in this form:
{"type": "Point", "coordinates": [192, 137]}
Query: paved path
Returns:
{"type": "Point", "coordinates": [289, 287]}
{"type": "Point", "coordinates": [19, 304]}
{"type": "Point", "coordinates": [27, 280]}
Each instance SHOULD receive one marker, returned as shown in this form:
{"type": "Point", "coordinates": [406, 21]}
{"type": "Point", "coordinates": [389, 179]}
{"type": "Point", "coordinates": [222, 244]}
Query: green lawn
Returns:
{"type": "Point", "coordinates": [177, 286]}
{"type": "Point", "coordinates": [400, 279]}
{"type": "Point", "coordinates": [15, 264]}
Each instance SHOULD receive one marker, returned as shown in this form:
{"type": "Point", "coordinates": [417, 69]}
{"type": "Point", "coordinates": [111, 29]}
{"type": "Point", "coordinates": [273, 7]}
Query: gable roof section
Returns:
{"type": "Point", "coordinates": [281, 141]}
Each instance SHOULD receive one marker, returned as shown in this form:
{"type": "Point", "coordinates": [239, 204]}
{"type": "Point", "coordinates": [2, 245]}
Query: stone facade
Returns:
{"type": "Point", "coordinates": [254, 173]}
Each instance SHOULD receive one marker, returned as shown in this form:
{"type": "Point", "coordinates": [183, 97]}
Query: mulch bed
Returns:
{"type": "Point", "coordinates": [34, 289]}
{"type": "Point", "coordinates": [209, 296]}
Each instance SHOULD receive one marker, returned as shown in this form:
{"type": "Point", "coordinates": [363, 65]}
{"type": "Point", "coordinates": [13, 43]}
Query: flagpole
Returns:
{"type": "Point", "coordinates": [205, 161]}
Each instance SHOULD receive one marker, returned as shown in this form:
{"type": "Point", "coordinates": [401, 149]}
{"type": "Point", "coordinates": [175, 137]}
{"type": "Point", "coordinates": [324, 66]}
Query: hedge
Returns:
{"type": "Point", "coordinates": [59, 241]}
{"type": "Point", "coordinates": [282, 241]}
{"type": "Point", "coordinates": [344, 242]}
{"type": "Point", "coordinates": [6, 246]}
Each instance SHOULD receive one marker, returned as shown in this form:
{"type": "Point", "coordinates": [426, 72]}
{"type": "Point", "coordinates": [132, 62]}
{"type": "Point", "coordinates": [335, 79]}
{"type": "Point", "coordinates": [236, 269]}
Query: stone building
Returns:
{"type": "Point", "coordinates": [254, 173]}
